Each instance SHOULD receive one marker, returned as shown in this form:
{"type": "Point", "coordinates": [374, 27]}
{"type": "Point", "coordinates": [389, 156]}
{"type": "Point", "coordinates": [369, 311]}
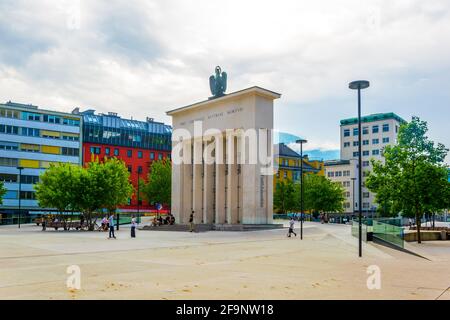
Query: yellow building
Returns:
{"type": "Point", "coordinates": [289, 166]}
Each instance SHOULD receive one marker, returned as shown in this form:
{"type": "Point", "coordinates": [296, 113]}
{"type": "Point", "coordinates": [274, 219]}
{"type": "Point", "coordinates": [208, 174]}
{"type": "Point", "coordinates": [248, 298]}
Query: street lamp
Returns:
{"type": "Point", "coordinates": [138, 191]}
{"type": "Point", "coordinates": [301, 142]}
{"type": "Point", "coordinates": [20, 191]}
{"type": "Point", "coordinates": [359, 85]}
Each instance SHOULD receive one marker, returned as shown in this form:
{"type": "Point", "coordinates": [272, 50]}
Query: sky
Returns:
{"type": "Point", "coordinates": [142, 58]}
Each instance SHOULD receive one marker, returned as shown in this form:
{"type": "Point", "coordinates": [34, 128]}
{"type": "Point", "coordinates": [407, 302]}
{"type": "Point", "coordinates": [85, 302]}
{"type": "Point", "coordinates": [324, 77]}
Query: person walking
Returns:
{"type": "Point", "coordinates": [191, 222]}
{"type": "Point", "coordinates": [133, 227]}
{"type": "Point", "coordinates": [111, 227]}
{"type": "Point", "coordinates": [291, 227]}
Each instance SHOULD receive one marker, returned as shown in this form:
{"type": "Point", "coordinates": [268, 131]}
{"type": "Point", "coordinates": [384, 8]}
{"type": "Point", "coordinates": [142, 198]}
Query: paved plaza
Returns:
{"type": "Point", "coordinates": [214, 265]}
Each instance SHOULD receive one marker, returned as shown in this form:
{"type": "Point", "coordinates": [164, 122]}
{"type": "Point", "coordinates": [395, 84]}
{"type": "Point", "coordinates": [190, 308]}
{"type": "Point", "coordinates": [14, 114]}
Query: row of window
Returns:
{"type": "Point", "coordinates": [32, 116]}
{"type": "Point", "coordinates": [365, 194]}
{"type": "Point", "coordinates": [366, 142]}
{"type": "Point", "coordinates": [127, 137]}
{"type": "Point", "coordinates": [14, 162]}
{"type": "Point", "coordinates": [365, 130]}
{"type": "Point", "coordinates": [366, 205]}
{"type": "Point", "coordinates": [345, 173]}
{"type": "Point", "coordinates": [24, 195]}
{"type": "Point", "coordinates": [140, 154]}
{"type": "Point", "coordinates": [13, 178]}
{"type": "Point", "coordinates": [65, 151]}
{"type": "Point", "coordinates": [32, 132]}
{"type": "Point", "coordinates": [375, 152]}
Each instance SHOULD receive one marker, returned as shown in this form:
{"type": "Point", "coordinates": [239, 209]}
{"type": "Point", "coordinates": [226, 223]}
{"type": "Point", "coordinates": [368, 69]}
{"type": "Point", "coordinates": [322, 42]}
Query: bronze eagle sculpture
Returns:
{"type": "Point", "coordinates": [218, 83]}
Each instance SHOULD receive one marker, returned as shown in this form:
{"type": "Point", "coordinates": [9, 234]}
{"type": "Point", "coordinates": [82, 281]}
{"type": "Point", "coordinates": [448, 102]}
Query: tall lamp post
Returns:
{"type": "Point", "coordinates": [20, 192]}
{"type": "Point", "coordinates": [138, 192]}
{"type": "Point", "coordinates": [359, 85]}
{"type": "Point", "coordinates": [301, 142]}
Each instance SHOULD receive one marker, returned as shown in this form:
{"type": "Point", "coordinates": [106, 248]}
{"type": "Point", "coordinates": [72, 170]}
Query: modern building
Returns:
{"type": "Point", "coordinates": [137, 143]}
{"type": "Point", "coordinates": [289, 165]}
{"type": "Point", "coordinates": [378, 131]}
{"type": "Point", "coordinates": [32, 139]}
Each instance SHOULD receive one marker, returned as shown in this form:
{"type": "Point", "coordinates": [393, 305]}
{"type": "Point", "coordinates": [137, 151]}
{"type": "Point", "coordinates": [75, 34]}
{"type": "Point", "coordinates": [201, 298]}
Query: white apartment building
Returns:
{"type": "Point", "coordinates": [378, 131]}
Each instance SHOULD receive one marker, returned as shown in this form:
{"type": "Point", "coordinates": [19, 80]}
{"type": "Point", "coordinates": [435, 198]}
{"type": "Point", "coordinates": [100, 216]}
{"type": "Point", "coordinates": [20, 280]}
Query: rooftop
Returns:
{"type": "Point", "coordinates": [32, 108]}
{"type": "Point", "coordinates": [338, 162]}
{"type": "Point", "coordinates": [257, 90]}
{"type": "Point", "coordinates": [113, 120]}
{"type": "Point", "coordinates": [373, 117]}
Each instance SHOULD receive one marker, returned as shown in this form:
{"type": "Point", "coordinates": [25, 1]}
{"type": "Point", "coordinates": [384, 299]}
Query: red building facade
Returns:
{"type": "Point", "coordinates": [137, 143]}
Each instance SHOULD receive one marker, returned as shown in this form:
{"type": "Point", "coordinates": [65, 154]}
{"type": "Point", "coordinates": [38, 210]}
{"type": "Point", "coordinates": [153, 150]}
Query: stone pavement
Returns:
{"type": "Point", "coordinates": [212, 265]}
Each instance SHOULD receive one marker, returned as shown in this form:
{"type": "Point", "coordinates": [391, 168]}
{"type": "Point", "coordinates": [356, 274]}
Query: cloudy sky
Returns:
{"type": "Point", "coordinates": [142, 58]}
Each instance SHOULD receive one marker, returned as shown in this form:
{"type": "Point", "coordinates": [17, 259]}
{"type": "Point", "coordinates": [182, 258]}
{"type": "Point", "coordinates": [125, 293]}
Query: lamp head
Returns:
{"type": "Point", "coordinates": [301, 141]}
{"type": "Point", "coordinates": [359, 84]}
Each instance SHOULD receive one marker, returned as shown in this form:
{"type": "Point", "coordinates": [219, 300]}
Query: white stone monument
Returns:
{"type": "Point", "coordinates": [222, 162]}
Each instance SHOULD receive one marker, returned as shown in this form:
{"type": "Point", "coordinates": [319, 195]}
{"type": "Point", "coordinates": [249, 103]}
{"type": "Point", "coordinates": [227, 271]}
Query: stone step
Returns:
{"type": "Point", "coordinates": [216, 227]}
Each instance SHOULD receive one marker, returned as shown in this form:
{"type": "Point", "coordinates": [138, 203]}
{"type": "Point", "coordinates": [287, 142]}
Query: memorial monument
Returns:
{"type": "Point", "coordinates": [222, 161]}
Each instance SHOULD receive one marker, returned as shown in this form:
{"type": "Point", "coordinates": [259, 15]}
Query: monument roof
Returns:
{"type": "Point", "coordinates": [255, 89]}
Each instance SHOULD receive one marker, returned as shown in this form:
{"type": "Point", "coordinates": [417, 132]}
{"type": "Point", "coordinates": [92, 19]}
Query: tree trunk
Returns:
{"type": "Point", "coordinates": [418, 225]}
{"type": "Point", "coordinates": [434, 219]}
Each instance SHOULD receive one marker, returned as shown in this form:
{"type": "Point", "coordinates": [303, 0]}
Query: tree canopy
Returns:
{"type": "Point", "coordinates": [2, 191]}
{"type": "Point", "coordinates": [322, 194]}
{"type": "Point", "coordinates": [284, 197]}
{"type": "Point", "coordinates": [413, 177]}
{"type": "Point", "coordinates": [157, 189]}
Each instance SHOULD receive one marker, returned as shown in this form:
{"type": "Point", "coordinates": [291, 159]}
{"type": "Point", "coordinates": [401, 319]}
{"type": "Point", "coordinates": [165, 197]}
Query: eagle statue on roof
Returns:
{"type": "Point", "coordinates": [218, 83]}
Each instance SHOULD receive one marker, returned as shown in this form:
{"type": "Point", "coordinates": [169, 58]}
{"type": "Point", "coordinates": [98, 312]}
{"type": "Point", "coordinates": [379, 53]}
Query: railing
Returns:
{"type": "Point", "coordinates": [389, 230]}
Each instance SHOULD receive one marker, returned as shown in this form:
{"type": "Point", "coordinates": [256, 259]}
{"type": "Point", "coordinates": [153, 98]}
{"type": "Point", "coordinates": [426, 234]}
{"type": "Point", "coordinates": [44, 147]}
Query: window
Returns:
{"type": "Point", "coordinates": [95, 150]}
{"type": "Point", "coordinates": [366, 153]}
{"type": "Point", "coordinates": [347, 133]}
{"type": "Point", "coordinates": [29, 179]}
{"type": "Point", "coordinates": [366, 205]}
{"type": "Point", "coordinates": [386, 127]}
{"type": "Point", "coordinates": [139, 169]}
{"type": "Point", "coordinates": [51, 118]}
{"type": "Point", "coordinates": [107, 151]}
{"type": "Point", "coordinates": [396, 129]}
{"type": "Point", "coordinates": [130, 168]}
{"type": "Point", "coordinates": [347, 194]}
{"type": "Point", "coordinates": [375, 129]}
{"type": "Point", "coordinates": [70, 138]}
{"type": "Point", "coordinates": [129, 153]}
{"type": "Point", "coordinates": [160, 156]}
{"type": "Point", "coordinates": [9, 129]}
{"type": "Point", "coordinates": [140, 154]}
{"type": "Point", "coordinates": [10, 194]}
{"type": "Point", "coordinates": [365, 142]}
{"type": "Point", "coordinates": [31, 116]}
{"type": "Point", "coordinates": [375, 152]}
{"type": "Point", "coordinates": [386, 140]}
{"type": "Point", "coordinates": [27, 195]}
{"type": "Point", "coordinates": [366, 195]}
{"type": "Point", "coordinates": [71, 122]}
{"type": "Point", "coordinates": [356, 154]}
{"type": "Point", "coordinates": [116, 152]}
{"type": "Point", "coordinates": [365, 130]}
{"type": "Point", "coordinates": [346, 173]}
{"type": "Point", "coordinates": [355, 131]}
{"type": "Point", "coordinates": [375, 141]}
{"type": "Point", "coordinates": [5, 177]}
{"type": "Point", "coordinates": [365, 163]}
{"type": "Point", "coordinates": [331, 174]}
{"type": "Point", "coordinates": [355, 143]}
{"type": "Point", "coordinates": [346, 144]}
{"type": "Point", "coordinates": [152, 155]}
{"type": "Point", "coordinates": [73, 151]}
{"type": "Point", "coordinates": [4, 145]}
{"type": "Point", "coordinates": [30, 132]}
{"type": "Point", "coordinates": [285, 174]}
{"type": "Point", "coordinates": [9, 162]}
{"type": "Point", "coordinates": [6, 113]}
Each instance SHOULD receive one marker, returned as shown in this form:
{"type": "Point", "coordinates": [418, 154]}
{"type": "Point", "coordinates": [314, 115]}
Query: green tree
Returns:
{"type": "Point", "coordinates": [2, 191]}
{"type": "Point", "coordinates": [157, 189]}
{"type": "Point", "coordinates": [113, 174]}
{"type": "Point", "coordinates": [321, 194]}
{"type": "Point", "coordinates": [56, 188]}
{"type": "Point", "coordinates": [413, 176]}
{"type": "Point", "coordinates": [284, 196]}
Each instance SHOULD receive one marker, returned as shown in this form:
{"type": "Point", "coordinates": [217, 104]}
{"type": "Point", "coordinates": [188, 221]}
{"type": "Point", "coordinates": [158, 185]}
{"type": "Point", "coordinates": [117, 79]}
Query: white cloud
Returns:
{"type": "Point", "coordinates": [145, 57]}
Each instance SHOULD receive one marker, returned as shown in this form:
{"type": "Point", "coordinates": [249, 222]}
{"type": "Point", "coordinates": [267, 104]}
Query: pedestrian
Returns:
{"type": "Point", "coordinates": [111, 227]}
{"type": "Point", "coordinates": [191, 222]}
{"type": "Point", "coordinates": [133, 227]}
{"type": "Point", "coordinates": [291, 227]}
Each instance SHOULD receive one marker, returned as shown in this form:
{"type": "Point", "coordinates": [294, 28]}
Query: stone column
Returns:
{"type": "Point", "coordinates": [208, 187]}
{"type": "Point", "coordinates": [186, 185]}
{"type": "Point", "coordinates": [220, 181]}
{"type": "Point", "coordinates": [232, 190]}
{"type": "Point", "coordinates": [197, 185]}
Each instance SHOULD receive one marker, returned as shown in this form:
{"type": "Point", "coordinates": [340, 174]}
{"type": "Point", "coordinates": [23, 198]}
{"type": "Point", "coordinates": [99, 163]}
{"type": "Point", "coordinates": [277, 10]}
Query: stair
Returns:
{"type": "Point", "coordinates": [216, 227]}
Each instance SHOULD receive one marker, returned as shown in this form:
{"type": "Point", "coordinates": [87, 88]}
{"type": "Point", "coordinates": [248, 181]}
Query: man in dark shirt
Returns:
{"type": "Point", "coordinates": [191, 222]}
